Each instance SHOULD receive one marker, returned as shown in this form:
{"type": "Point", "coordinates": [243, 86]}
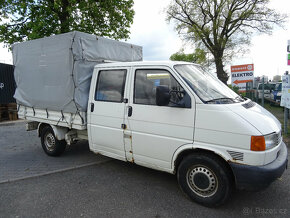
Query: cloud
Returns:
{"type": "Point", "coordinates": [5, 55]}
{"type": "Point", "coordinates": [269, 52]}
{"type": "Point", "coordinates": [150, 30]}
{"type": "Point", "coordinates": [159, 39]}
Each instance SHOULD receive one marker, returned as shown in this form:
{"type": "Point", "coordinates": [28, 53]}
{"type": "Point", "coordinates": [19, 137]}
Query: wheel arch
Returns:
{"type": "Point", "coordinates": [40, 128]}
{"type": "Point", "coordinates": [186, 150]}
{"type": "Point", "coordinates": [59, 132]}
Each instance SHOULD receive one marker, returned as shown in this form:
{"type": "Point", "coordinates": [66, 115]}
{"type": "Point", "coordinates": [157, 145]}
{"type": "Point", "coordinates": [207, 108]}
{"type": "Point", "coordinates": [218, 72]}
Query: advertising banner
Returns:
{"type": "Point", "coordinates": [288, 55]}
{"type": "Point", "coordinates": [241, 74]}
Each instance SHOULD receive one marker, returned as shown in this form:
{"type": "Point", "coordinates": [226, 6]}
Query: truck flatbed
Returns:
{"type": "Point", "coordinates": [58, 118]}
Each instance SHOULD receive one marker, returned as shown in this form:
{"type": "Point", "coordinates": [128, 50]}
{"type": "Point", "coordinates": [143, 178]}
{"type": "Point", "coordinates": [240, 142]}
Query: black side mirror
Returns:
{"type": "Point", "coordinates": [162, 95]}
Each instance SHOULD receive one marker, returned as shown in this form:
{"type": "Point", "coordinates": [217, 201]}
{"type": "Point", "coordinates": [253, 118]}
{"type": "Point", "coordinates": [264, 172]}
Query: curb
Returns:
{"type": "Point", "coordinates": [54, 171]}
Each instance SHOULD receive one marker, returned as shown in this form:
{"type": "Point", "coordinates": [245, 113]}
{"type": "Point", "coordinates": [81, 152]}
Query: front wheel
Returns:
{"type": "Point", "coordinates": [50, 144]}
{"type": "Point", "coordinates": [205, 179]}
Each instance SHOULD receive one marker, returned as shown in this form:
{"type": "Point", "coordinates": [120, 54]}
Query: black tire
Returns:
{"type": "Point", "coordinates": [205, 179]}
{"type": "Point", "coordinates": [50, 144]}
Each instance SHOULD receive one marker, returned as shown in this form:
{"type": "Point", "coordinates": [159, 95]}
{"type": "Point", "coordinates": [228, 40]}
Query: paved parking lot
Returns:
{"type": "Point", "coordinates": [21, 154]}
{"type": "Point", "coordinates": [106, 187]}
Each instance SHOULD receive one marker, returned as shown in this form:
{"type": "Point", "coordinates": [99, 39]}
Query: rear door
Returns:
{"type": "Point", "coordinates": [158, 131]}
{"type": "Point", "coordinates": [106, 112]}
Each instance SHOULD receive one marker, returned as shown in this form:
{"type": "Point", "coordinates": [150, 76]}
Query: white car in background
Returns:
{"type": "Point", "coordinates": [268, 87]}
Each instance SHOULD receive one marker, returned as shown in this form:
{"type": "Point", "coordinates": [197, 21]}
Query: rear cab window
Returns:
{"type": "Point", "coordinates": [110, 85]}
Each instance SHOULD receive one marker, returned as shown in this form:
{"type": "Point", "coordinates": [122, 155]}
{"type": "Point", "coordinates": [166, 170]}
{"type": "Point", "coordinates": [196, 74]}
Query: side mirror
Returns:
{"type": "Point", "coordinates": [162, 95]}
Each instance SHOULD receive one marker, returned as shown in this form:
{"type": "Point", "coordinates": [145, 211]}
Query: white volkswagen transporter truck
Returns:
{"type": "Point", "coordinates": [168, 116]}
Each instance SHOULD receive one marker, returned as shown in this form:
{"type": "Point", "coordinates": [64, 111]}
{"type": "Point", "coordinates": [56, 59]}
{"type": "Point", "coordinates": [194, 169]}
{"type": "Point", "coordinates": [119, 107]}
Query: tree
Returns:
{"type": "Point", "coordinates": [22, 20]}
{"type": "Point", "coordinates": [198, 57]}
{"type": "Point", "coordinates": [222, 25]}
{"type": "Point", "coordinates": [234, 88]}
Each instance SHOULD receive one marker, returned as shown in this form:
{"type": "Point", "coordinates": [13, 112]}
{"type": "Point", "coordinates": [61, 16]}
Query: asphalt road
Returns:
{"type": "Point", "coordinates": [21, 154]}
{"type": "Point", "coordinates": [111, 188]}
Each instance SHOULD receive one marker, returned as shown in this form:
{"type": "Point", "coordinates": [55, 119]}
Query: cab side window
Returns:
{"type": "Point", "coordinates": [146, 81]}
{"type": "Point", "coordinates": [110, 85]}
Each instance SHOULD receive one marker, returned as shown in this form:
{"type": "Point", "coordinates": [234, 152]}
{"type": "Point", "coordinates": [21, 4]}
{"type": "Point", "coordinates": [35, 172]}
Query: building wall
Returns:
{"type": "Point", "coordinates": [7, 84]}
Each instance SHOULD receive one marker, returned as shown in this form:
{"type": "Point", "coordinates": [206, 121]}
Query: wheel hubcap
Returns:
{"type": "Point", "coordinates": [49, 141]}
{"type": "Point", "coordinates": [202, 181]}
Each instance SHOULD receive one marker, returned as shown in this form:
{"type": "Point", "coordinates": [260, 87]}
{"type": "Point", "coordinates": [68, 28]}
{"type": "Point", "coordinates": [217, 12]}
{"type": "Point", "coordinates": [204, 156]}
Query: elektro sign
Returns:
{"type": "Point", "coordinates": [241, 74]}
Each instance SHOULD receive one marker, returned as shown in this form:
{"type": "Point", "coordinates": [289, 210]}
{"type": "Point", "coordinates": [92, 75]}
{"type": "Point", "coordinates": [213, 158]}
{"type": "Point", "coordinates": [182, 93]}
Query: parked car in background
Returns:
{"type": "Point", "coordinates": [268, 87]}
{"type": "Point", "coordinates": [277, 92]}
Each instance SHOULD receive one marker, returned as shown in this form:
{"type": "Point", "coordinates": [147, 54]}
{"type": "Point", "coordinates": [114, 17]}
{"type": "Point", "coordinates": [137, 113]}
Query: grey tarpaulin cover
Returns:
{"type": "Point", "coordinates": [55, 72]}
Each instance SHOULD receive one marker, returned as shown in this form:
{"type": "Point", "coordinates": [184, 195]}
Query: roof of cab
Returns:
{"type": "Point", "coordinates": [142, 63]}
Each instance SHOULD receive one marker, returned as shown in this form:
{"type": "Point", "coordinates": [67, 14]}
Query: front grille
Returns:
{"type": "Point", "coordinates": [236, 155]}
{"type": "Point", "coordinates": [249, 104]}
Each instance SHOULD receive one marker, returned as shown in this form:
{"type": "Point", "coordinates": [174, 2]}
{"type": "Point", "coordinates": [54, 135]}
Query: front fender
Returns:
{"type": "Point", "coordinates": [201, 146]}
{"type": "Point", "coordinates": [178, 151]}
{"type": "Point", "coordinates": [213, 148]}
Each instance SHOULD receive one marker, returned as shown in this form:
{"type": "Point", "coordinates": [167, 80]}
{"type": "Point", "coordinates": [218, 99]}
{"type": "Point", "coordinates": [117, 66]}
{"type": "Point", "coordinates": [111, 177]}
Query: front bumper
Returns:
{"type": "Point", "coordinates": [260, 177]}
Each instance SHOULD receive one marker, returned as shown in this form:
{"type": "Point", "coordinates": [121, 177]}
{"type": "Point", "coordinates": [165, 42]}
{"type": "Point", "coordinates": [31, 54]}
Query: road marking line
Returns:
{"type": "Point", "coordinates": [55, 171]}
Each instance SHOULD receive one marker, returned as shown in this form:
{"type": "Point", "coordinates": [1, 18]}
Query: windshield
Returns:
{"type": "Point", "coordinates": [208, 87]}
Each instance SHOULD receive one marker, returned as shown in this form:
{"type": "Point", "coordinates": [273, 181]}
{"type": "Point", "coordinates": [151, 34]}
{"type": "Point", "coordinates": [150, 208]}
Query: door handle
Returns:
{"type": "Point", "coordinates": [130, 111]}
{"type": "Point", "coordinates": [92, 107]}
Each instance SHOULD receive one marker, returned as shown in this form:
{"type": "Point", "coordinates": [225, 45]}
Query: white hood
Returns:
{"type": "Point", "coordinates": [258, 117]}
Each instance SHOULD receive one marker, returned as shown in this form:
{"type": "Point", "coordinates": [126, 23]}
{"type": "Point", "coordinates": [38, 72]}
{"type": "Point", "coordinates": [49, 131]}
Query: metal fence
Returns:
{"type": "Point", "coordinates": [259, 95]}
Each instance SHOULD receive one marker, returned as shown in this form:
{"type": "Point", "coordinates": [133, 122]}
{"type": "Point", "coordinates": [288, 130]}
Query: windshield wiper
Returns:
{"type": "Point", "coordinates": [240, 98]}
{"type": "Point", "coordinates": [217, 99]}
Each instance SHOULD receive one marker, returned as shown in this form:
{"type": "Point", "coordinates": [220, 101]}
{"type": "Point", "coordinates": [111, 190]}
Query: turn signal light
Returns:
{"type": "Point", "coordinates": [258, 143]}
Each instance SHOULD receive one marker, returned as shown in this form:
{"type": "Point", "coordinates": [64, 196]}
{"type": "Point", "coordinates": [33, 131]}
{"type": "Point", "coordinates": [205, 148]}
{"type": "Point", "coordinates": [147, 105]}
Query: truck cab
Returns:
{"type": "Point", "coordinates": [268, 87]}
{"type": "Point", "coordinates": [174, 117]}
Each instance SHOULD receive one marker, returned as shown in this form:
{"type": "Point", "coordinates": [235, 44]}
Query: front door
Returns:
{"type": "Point", "coordinates": [106, 113]}
{"type": "Point", "coordinates": [157, 131]}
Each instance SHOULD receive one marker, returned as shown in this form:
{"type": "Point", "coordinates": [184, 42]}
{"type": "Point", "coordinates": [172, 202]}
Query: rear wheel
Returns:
{"type": "Point", "coordinates": [205, 179]}
{"type": "Point", "coordinates": [50, 144]}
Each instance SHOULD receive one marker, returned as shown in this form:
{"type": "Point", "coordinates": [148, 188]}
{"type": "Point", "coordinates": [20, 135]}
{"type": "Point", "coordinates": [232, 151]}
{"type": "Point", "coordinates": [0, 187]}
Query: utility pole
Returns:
{"type": "Point", "coordinates": [263, 83]}
{"type": "Point", "coordinates": [286, 112]}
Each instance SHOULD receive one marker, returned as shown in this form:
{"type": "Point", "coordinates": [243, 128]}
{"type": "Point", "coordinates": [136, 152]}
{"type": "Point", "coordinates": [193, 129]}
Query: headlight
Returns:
{"type": "Point", "coordinates": [271, 140]}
